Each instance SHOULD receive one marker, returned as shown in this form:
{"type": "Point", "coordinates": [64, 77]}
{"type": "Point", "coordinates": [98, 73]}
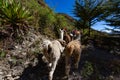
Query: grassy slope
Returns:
{"type": "Point", "coordinates": [103, 63]}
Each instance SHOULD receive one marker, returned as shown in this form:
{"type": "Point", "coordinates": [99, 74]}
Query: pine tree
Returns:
{"type": "Point", "coordinates": [90, 11]}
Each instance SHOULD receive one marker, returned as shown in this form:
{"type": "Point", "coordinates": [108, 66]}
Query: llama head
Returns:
{"type": "Point", "coordinates": [78, 35]}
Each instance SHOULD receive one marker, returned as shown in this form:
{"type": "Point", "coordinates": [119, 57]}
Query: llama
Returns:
{"type": "Point", "coordinates": [74, 35]}
{"type": "Point", "coordinates": [65, 36]}
{"type": "Point", "coordinates": [52, 51]}
{"type": "Point", "coordinates": [73, 49]}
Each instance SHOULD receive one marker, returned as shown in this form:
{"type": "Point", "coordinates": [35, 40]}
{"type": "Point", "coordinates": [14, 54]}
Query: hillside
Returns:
{"type": "Point", "coordinates": [71, 19]}
{"type": "Point", "coordinates": [21, 46]}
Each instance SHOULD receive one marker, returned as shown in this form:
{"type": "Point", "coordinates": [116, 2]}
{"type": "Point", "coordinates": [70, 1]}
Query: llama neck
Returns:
{"type": "Point", "coordinates": [66, 33]}
{"type": "Point", "coordinates": [78, 37]}
{"type": "Point", "coordinates": [61, 34]}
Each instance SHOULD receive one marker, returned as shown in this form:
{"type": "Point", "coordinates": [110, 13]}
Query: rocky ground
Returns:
{"type": "Point", "coordinates": [24, 61]}
{"type": "Point", "coordinates": [18, 57]}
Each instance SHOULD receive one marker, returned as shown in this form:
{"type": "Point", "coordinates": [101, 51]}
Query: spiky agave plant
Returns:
{"type": "Point", "coordinates": [14, 17]}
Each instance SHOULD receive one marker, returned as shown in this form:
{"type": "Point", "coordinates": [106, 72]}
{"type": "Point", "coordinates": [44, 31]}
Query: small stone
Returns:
{"type": "Point", "coordinates": [24, 53]}
{"type": "Point", "coordinates": [16, 47]}
{"type": "Point", "coordinates": [1, 73]}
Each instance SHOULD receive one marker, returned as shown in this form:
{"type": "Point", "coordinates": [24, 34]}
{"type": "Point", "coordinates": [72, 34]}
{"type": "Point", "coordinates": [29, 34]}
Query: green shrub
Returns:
{"type": "Point", "coordinates": [14, 17]}
{"type": "Point", "coordinates": [46, 19]}
{"type": "Point", "coordinates": [2, 53]}
{"type": "Point", "coordinates": [87, 70]}
{"type": "Point", "coordinates": [47, 31]}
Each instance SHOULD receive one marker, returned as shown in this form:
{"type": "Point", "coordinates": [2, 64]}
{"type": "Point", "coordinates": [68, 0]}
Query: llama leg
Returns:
{"type": "Point", "coordinates": [69, 52]}
{"type": "Point", "coordinates": [54, 63]}
{"type": "Point", "coordinates": [67, 65]}
{"type": "Point", "coordinates": [77, 59]}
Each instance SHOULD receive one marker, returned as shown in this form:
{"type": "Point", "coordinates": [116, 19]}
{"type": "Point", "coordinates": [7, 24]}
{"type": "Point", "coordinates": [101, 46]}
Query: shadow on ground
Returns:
{"type": "Point", "coordinates": [40, 71]}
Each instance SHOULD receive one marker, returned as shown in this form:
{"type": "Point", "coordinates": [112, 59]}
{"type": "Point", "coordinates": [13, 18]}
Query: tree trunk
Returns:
{"type": "Point", "coordinates": [88, 24]}
{"type": "Point", "coordinates": [89, 32]}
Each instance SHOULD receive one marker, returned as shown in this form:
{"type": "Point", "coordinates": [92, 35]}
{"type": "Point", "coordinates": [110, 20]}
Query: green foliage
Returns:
{"type": "Point", "coordinates": [2, 53]}
{"type": "Point", "coordinates": [14, 17]}
{"type": "Point", "coordinates": [47, 18]}
{"type": "Point", "coordinates": [49, 32]}
{"type": "Point", "coordinates": [89, 12]}
{"type": "Point", "coordinates": [87, 70]}
{"type": "Point", "coordinates": [38, 11]}
{"type": "Point", "coordinates": [114, 19]}
{"type": "Point", "coordinates": [44, 17]}
{"type": "Point", "coordinates": [61, 21]}
{"type": "Point", "coordinates": [47, 22]}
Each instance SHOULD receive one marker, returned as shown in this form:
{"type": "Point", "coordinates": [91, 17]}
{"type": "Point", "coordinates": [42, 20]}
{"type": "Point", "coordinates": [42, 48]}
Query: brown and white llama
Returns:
{"type": "Point", "coordinates": [52, 51]}
{"type": "Point", "coordinates": [73, 49]}
{"type": "Point", "coordinates": [64, 35]}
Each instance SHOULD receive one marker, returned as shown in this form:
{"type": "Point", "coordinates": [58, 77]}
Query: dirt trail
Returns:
{"type": "Point", "coordinates": [40, 71]}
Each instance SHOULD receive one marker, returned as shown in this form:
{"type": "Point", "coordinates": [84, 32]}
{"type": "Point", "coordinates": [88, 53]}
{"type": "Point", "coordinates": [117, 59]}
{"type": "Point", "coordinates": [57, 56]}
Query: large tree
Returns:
{"type": "Point", "coordinates": [90, 11]}
{"type": "Point", "coordinates": [114, 19]}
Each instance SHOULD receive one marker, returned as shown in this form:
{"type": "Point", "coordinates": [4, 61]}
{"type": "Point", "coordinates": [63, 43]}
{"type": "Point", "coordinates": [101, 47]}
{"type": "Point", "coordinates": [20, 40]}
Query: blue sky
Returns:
{"type": "Point", "coordinates": [63, 6]}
